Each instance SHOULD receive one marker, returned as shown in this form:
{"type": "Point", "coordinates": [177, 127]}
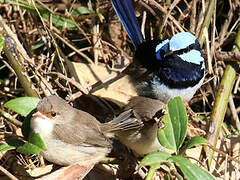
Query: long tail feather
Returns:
{"type": "Point", "coordinates": [126, 14]}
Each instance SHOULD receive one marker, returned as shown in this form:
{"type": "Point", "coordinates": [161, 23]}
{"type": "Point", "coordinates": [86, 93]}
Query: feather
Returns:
{"type": "Point", "coordinates": [126, 14]}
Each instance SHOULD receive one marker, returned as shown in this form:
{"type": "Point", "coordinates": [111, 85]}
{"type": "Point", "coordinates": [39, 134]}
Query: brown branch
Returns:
{"type": "Point", "coordinates": [223, 153]}
{"type": "Point", "coordinates": [11, 50]}
{"type": "Point", "coordinates": [71, 81]}
{"type": "Point", "coordinates": [8, 173]}
{"type": "Point", "coordinates": [10, 118]}
{"type": "Point", "coordinates": [227, 56]}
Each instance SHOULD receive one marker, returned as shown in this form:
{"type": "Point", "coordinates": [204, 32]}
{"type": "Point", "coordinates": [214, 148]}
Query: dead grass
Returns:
{"type": "Point", "coordinates": [53, 55]}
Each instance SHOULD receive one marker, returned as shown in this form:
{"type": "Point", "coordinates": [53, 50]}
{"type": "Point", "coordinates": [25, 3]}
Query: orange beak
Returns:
{"type": "Point", "coordinates": [39, 115]}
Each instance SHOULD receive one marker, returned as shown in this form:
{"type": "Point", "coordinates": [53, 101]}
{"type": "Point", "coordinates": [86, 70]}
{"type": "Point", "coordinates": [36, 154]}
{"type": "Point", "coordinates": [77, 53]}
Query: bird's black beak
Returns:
{"type": "Point", "coordinates": [169, 53]}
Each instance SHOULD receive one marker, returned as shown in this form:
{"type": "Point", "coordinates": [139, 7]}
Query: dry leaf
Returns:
{"type": "Point", "coordinates": [120, 91]}
{"type": "Point", "coordinates": [39, 171]}
{"type": "Point", "coordinates": [69, 173]}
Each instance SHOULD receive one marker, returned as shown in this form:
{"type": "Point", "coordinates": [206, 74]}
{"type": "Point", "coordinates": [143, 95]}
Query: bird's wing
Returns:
{"type": "Point", "coordinates": [125, 121]}
{"type": "Point", "coordinates": [85, 133]}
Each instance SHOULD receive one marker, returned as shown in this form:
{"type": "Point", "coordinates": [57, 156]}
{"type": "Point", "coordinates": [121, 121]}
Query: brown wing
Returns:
{"type": "Point", "coordinates": [83, 130]}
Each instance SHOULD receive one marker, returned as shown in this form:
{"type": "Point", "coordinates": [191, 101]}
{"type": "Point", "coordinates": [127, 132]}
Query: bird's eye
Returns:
{"type": "Point", "coordinates": [53, 114]}
{"type": "Point", "coordinates": [185, 50]}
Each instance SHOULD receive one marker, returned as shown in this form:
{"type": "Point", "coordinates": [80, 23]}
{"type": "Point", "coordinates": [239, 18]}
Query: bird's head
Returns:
{"type": "Point", "coordinates": [50, 111]}
{"type": "Point", "coordinates": [184, 45]}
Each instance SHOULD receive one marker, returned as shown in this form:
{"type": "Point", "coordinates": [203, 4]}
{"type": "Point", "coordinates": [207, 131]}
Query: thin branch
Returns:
{"type": "Point", "coordinates": [8, 173]}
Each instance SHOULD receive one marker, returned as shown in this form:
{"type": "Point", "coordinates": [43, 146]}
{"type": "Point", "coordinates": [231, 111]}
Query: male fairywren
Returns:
{"type": "Point", "coordinates": [175, 67]}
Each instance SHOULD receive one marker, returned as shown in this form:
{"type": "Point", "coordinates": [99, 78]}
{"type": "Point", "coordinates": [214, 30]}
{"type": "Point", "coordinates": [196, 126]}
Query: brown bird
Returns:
{"type": "Point", "coordinates": [143, 140]}
{"type": "Point", "coordinates": [74, 136]}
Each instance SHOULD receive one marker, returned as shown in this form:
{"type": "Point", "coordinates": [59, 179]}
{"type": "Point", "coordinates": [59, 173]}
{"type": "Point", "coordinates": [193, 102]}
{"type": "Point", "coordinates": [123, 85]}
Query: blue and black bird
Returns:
{"type": "Point", "coordinates": [175, 67]}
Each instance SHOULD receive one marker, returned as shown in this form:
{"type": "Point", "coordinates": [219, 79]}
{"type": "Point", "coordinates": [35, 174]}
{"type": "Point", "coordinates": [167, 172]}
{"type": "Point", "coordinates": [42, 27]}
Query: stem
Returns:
{"type": "Point", "coordinates": [206, 22]}
{"type": "Point", "coordinates": [21, 73]}
{"type": "Point", "coordinates": [173, 170]}
{"type": "Point", "coordinates": [221, 102]}
{"type": "Point", "coordinates": [151, 171]}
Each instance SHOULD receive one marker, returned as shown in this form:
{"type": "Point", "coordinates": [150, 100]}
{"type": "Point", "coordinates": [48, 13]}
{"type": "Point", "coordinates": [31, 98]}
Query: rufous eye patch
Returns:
{"type": "Point", "coordinates": [51, 114]}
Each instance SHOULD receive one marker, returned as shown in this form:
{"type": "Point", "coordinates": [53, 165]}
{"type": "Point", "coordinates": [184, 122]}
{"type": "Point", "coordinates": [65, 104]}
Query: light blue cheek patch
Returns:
{"type": "Point", "coordinates": [193, 56]}
{"type": "Point", "coordinates": [181, 40]}
{"type": "Point", "coordinates": [162, 46]}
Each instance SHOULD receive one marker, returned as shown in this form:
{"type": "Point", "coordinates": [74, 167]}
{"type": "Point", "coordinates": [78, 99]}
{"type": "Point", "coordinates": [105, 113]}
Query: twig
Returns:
{"type": "Point", "coordinates": [227, 22]}
{"type": "Point", "coordinates": [234, 112]}
{"type": "Point", "coordinates": [206, 22]}
{"type": "Point", "coordinates": [18, 44]}
{"type": "Point", "coordinates": [15, 61]}
{"type": "Point", "coordinates": [71, 81]}
{"type": "Point", "coordinates": [227, 56]}
{"type": "Point", "coordinates": [173, 170]}
{"type": "Point", "coordinates": [10, 118]}
{"type": "Point", "coordinates": [79, 28]}
{"type": "Point", "coordinates": [236, 85]}
{"type": "Point", "coordinates": [193, 16]}
{"type": "Point", "coordinates": [161, 8]}
{"type": "Point", "coordinates": [73, 48]}
{"type": "Point", "coordinates": [8, 173]}
{"type": "Point", "coordinates": [200, 17]}
{"type": "Point", "coordinates": [223, 153]}
{"type": "Point", "coordinates": [173, 5]}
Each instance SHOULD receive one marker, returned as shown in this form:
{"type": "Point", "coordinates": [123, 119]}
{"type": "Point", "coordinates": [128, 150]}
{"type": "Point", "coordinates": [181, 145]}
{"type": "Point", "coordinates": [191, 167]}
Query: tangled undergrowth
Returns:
{"type": "Point", "coordinates": [72, 48]}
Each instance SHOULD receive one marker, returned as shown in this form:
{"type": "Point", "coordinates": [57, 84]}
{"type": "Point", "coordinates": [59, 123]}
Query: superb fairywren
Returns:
{"type": "Point", "coordinates": [143, 140]}
{"type": "Point", "coordinates": [175, 67]}
{"type": "Point", "coordinates": [73, 136]}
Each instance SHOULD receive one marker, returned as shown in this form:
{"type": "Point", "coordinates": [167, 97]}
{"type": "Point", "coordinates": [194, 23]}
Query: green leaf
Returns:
{"type": "Point", "coordinates": [1, 43]}
{"type": "Point", "coordinates": [38, 45]}
{"type": "Point", "coordinates": [178, 116]}
{"type": "Point", "coordinates": [29, 148]}
{"type": "Point", "coordinates": [26, 125]}
{"type": "Point", "coordinates": [34, 146]}
{"type": "Point", "coordinates": [81, 11]}
{"type": "Point", "coordinates": [22, 4]}
{"type": "Point", "coordinates": [191, 171]}
{"type": "Point", "coordinates": [36, 139]}
{"type": "Point", "coordinates": [154, 158]}
{"type": "Point", "coordinates": [59, 21]}
{"type": "Point", "coordinates": [197, 140]}
{"type": "Point", "coordinates": [175, 130]}
{"type": "Point", "coordinates": [15, 142]}
{"type": "Point", "coordinates": [166, 134]}
{"type": "Point", "coordinates": [22, 105]}
{"type": "Point", "coordinates": [167, 177]}
{"type": "Point", "coordinates": [6, 147]}
{"type": "Point", "coordinates": [202, 117]}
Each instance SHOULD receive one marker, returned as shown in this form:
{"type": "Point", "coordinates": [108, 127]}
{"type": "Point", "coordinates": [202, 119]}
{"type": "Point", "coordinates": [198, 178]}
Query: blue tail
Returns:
{"type": "Point", "coordinates": [126, 14]}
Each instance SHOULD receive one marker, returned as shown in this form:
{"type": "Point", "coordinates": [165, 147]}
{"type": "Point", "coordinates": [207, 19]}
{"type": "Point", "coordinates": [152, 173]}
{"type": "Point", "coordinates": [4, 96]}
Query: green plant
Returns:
{"type": "Point", "coordinates": [172, 137]}
{"type": "Point", "coordinates": [33, 144]}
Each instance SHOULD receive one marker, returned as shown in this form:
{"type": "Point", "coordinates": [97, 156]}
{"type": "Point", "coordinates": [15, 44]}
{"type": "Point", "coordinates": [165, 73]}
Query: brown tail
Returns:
{"type": "Point", "coordinates": [124, 121]}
